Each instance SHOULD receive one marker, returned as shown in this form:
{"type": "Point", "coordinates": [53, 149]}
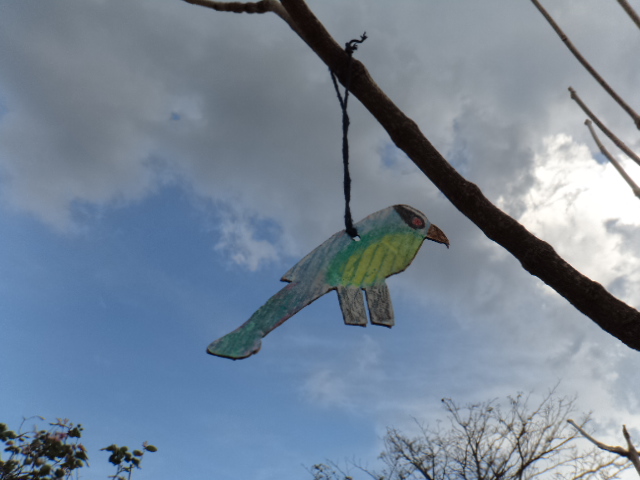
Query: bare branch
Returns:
{"type": "Point", "coordinates": [630, 11]}
{"type": "Point", "coordinates": [633, 453]}
{"type": "Point", "coordinates": [619, 143]}
{"type": "Point", "coordinates": [480, 445]}
{"type": "Point", "coordinates": [614, 162]}
{"type": "Point", "coordinates": [630, 453]}
{"type": "Point", "coordinates": [235, 7]}
{"type": "Point", "coordinates": [617, 450]}
{"type": "Point", "coordinates": [262, 6]}
{"type": "Point", "coordinates": [632, 113]}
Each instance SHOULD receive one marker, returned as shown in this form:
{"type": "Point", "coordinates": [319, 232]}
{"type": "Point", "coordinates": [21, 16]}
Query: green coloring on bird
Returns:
{"type": "Point", "coordinates": [387, 243]}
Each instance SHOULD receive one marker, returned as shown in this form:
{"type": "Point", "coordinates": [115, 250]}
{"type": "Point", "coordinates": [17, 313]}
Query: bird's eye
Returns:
{"type": "Point", "coordinates": [417, 222]}
{"type": "Point", "coordinates": [411, 217]}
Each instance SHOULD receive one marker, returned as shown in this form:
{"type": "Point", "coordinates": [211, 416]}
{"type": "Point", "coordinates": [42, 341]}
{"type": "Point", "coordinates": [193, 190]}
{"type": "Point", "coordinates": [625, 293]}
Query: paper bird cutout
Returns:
{"type": "Point", "coordinates": [388, 242]}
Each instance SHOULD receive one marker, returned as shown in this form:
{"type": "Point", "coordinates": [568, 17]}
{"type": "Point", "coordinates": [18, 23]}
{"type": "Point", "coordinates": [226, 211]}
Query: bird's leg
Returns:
{"type": "Point", "coordinates": [380, 307]}
{"type": "Point", "coordinates": [352, 305]}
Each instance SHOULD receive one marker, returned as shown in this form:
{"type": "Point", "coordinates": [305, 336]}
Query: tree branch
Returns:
{"type": "Point", "coordinates": [632, 13]}
{"type": "Point", "coordinates": [630, 453]}
{"type": "Point", "coordinates": [262, 6]}
{"type": "Point", "coordinates": [633, 453]}
{"type": "Point", "coordinates": [614, 162]}
{"type": "Point", "coordinates": [632, 113]}
{"type": "Point", "coordinates": [535, 255]}
{"type": "Point", "coordinates": [617, 450]}
{"type": "Point", "coordinates": [235, 7]}
{"type": "Point", "coordinates": [619, 143]}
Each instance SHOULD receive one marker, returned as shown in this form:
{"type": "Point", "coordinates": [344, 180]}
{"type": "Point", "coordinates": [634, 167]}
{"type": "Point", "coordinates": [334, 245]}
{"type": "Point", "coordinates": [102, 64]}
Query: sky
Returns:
{"type": "Point", "coordinates": [163, 165]}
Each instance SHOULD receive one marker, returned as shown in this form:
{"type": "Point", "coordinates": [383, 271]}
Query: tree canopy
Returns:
{"type": "Point", "coordinates": [491, 441]}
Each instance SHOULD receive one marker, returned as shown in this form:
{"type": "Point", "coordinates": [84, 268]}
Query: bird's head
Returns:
{"type": "Point", "coordinates": [417, 220]}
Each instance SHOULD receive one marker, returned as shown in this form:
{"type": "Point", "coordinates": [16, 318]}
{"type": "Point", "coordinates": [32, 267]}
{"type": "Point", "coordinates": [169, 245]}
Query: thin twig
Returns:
{"type": "Point", "coordinates": [632, 13]}
{"type": "Point", "coordinates": [619, 143]}
{"type": "Point", "coordinates": [614, 162]}
{"type": "Point", "coordinates": [632, 113]}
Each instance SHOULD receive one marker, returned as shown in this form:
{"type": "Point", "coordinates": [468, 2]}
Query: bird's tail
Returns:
{"type": "Point", "coordinates": [247, 339]}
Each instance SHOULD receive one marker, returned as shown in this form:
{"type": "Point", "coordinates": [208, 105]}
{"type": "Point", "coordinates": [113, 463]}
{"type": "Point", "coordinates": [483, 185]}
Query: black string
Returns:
{"type": "Point", "coordinates": [350, 47]}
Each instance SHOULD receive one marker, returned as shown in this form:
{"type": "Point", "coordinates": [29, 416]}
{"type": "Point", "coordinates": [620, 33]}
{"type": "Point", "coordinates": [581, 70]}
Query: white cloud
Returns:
{"type": "Point", "coordinates": [573, 201]}
{"type": "Point", "coordinates": [238, 240]}
{"type": "Point", "coordinates": [347, 384]}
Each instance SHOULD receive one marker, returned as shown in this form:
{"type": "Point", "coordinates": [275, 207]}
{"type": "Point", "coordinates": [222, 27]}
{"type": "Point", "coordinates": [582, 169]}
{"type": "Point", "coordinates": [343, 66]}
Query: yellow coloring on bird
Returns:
{"type": "Point", "coordinates": [381, 259]}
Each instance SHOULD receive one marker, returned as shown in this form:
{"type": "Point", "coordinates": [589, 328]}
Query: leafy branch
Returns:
{"type": "Point", "coordinates": [57, 454]}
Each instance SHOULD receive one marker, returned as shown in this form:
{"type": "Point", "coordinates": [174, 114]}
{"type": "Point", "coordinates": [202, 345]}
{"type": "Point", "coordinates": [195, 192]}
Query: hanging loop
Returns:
{"type": "Point", "coordinates": [350, 47]}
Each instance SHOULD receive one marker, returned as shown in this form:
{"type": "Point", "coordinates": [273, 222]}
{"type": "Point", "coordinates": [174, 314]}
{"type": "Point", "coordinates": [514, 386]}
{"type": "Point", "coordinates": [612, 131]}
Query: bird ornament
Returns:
{"type": "Point", "coordinates": [387, 243]}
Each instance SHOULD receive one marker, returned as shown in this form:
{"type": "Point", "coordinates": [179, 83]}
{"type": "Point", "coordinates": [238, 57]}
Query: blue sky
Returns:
{"type": "Point", "coordinates": [162, 166]}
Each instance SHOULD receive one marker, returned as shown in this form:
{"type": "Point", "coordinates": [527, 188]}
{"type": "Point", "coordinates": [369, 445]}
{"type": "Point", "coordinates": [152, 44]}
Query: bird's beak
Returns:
{"type": "Point", "coordinates": [437, 235]}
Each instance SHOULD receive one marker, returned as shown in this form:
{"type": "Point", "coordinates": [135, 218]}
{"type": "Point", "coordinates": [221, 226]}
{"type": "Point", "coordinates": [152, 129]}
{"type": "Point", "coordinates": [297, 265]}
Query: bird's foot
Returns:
{"type": "Point", "coordinates": [352, 305]}
{"type": "Point", "coordinates": [380, 306]}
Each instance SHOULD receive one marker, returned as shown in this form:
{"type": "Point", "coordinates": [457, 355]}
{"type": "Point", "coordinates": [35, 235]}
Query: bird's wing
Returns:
{"type": "Point", "coordinates": [316, 262]}
{"type": "Point", "coordinates": [379, 254]}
